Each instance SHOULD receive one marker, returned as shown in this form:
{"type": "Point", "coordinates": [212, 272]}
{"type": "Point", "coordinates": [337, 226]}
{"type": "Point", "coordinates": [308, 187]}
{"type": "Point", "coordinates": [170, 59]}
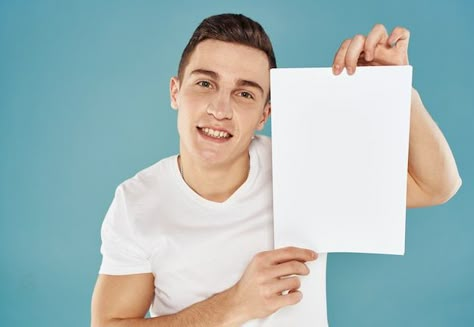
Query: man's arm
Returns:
{"type": "Point", "coordinates": [120, 301]}
{"type": "Point", "coordinates": [433, 177]}
{"type": "Point", "coordinates": [432, 173]}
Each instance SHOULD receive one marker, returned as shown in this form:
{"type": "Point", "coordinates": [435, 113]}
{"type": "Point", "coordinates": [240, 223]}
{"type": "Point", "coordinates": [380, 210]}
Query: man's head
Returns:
{"type": "Point", "coordinates": [234, 28]}
{"type": "Point", "coordinates": [222, 91]}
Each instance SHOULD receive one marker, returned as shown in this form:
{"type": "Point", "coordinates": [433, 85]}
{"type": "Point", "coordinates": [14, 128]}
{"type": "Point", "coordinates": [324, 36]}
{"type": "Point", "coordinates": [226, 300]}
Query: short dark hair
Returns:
{"type": "Point", "coordinates": [235, 28]}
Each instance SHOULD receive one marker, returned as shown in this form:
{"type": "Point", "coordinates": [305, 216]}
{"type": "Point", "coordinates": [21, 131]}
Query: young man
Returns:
{"type": "Point", "coordinates": [192, 235]}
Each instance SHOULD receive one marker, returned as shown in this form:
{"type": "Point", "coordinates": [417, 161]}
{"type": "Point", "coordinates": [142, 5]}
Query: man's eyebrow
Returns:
{"type": "Point", "coordinates": [243, 82]}
{"type": "Point", "coordinates": [210, 73]}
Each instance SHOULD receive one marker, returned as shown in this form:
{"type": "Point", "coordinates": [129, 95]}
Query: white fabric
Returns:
{"type": "Point", "coordinates": [194, 247]}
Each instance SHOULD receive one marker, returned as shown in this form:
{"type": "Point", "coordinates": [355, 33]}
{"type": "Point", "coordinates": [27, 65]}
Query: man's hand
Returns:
{"type": "Point", "coordinates": [267, 284]}
{"type": "Point", "coordinates": [376, 49]}
{"type": "Point", "coordinates": [271, 282]}
{"type": "Point", "coordinates": [433, 177]}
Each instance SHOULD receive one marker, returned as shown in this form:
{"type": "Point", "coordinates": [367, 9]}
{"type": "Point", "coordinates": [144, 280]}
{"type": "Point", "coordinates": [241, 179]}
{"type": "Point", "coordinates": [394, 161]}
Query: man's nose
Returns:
{"type": "Point", "coordinates": [220, 107]}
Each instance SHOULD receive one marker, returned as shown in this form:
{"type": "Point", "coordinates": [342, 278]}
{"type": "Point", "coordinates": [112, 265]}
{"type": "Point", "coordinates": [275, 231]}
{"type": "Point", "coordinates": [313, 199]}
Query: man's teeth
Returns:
{"type": "Point", "coordinates": [214, 133]}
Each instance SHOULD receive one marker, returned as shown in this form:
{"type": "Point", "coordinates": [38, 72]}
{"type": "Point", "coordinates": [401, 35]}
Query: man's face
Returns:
{"type": "Point", "coordinates": [221, 101]}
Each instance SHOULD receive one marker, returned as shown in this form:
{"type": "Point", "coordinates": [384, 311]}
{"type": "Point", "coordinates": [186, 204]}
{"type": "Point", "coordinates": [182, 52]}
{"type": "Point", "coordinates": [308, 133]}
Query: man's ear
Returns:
{"type": "Point", "coordinates": [174, 90]}
{"type": "Point", "coordinates": [265, 115]}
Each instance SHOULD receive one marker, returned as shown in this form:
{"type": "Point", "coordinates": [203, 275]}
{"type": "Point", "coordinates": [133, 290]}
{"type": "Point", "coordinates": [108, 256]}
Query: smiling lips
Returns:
{"type": "Point", "coordinates": [215, 133]}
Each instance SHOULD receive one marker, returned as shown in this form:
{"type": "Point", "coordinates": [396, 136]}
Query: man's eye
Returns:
{"type": "Point", "coordinates": [246, 95]}
{"type": "Point", "coordinates": [204, 84]}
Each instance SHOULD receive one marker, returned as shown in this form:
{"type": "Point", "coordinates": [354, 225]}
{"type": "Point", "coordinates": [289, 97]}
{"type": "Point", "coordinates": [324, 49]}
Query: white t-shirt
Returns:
{"type": "Point", "coordinates": [194, 247]}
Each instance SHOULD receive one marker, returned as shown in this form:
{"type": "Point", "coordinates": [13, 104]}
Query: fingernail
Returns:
{"type": "Point", "coordinates": [393, 44]}
{"type": "Point", "coordinates": [336, 69]}
{"type": "Point", "coordinates": [314, 254]}
{"type": "Point", "coordinates": [349, 70]}
{"type": "Point", "coordinates": [368, 56]}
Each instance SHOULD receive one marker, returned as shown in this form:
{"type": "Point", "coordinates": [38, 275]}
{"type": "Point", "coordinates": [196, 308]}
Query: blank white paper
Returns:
{"type": "Point", "coordinates": [340, 156]}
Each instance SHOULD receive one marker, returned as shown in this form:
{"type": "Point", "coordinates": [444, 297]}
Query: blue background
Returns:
{"type": "Point", "coordinates": [84, 105]}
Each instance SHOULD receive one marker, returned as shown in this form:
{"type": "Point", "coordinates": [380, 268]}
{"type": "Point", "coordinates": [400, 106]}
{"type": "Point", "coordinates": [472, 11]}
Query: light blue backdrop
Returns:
{"type": "Point", "coordinates": [84, 105]}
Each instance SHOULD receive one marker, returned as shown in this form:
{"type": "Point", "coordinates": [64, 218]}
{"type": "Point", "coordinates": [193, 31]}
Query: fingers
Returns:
{"type": "Point", "coordinates": [399, 37]}
{"type": "Point", "coordinates": [288, 299]}
{"type": "Point", "coordinates": [285, 284]}
{"type": "Point", "coordinates": [348, 55]}
{"type": "Point", "coordinates": [289, 268]}
{"type": "Point", "coordinates": [353, 53]}
{"type": "Point", "coordinates": [271, 281]}
{"type": "Point", "coordinates": [280, 298]}
{"type": "Point", "coordinates": [378, 48]}
{"type": "Point", "coordinates": [377, 35]}
{"type": "Point", "coordinates": [338, 63]}
{"type": "Point", "coordinates": [289, 254]}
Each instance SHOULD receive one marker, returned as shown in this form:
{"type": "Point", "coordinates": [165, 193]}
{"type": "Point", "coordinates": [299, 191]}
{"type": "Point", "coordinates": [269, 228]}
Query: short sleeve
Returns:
{"type": "Point", "coordinates": [122, 254]}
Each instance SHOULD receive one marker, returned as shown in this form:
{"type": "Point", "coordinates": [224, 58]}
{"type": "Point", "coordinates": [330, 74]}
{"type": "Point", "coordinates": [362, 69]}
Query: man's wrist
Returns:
{"type": "Point", "coordinates": [234, 313]}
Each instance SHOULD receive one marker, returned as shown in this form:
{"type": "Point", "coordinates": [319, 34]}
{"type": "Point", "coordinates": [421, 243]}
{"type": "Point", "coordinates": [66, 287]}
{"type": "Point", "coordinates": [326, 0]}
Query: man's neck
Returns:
{"type": "Point", "coordinates": [214, 183]}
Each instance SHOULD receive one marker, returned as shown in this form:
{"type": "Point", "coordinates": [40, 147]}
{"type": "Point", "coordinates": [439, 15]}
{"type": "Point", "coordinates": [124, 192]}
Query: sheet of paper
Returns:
{"type": "Point", "coordinates": [340, 154]}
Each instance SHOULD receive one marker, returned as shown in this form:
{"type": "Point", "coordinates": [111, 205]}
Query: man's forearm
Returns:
{"type": "Point", "coordinates": [218, 310]}
{"type": "Point", "coordinates": [431, 163]}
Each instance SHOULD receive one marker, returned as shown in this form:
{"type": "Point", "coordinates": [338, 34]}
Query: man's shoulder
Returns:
{"type": "Point", "coordinates": [262, 142]}
{"type": "Point", "coordinates": [261, 148]}
{"type": "Point", "coordinates": [149, 177]}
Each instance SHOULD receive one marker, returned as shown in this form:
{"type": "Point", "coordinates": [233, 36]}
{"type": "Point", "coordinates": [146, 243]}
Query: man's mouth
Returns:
{"type": "Point", "coordinates": [215, 133]}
